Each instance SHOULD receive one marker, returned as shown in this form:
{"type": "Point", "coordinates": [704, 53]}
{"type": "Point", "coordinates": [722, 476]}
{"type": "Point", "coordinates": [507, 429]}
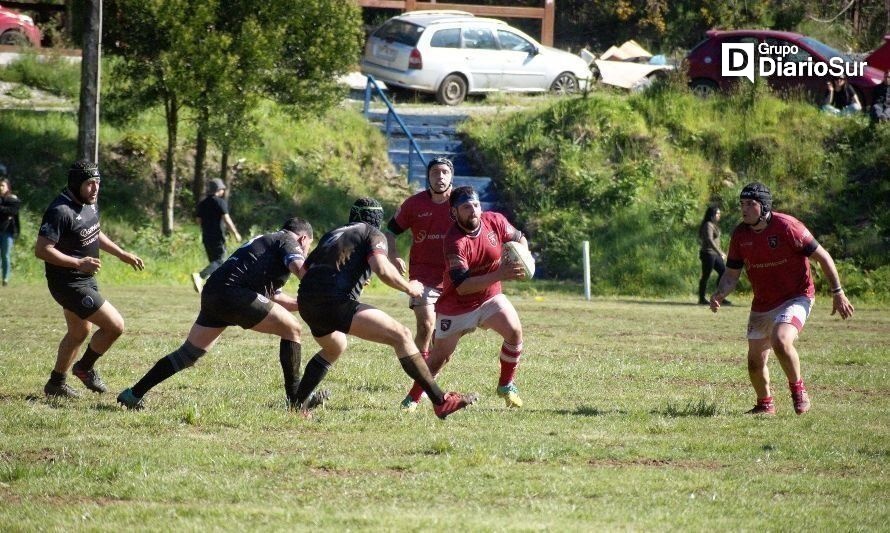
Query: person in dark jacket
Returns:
{"type": "Point", "coordinates": [710, 253]}
{"type": "Point", "coordinates": [9, 225]}
{"type": "Point", "coordinates": [880, 101]}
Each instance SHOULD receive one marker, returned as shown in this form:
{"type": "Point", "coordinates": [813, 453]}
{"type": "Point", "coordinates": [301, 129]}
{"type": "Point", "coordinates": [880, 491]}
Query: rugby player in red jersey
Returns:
{"type": "Point", "coordinates": [472, 294]}
{"type": "Point", "coordinates": [774, 248]}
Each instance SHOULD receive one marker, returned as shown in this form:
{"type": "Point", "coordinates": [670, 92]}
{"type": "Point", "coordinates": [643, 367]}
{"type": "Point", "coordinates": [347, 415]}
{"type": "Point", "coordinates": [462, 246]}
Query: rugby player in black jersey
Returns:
{"type": "Point", "coordinates": [244, 291]}
{"type": "Point", "coordinates": [69, 241]}
{"type": "Point", "coordinates": [336, 273]}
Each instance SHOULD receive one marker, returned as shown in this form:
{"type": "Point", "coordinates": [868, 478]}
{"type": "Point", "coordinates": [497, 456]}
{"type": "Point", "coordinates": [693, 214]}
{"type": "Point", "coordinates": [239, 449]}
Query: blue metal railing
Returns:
{"type": "Point", "coordinates": [412, 144]}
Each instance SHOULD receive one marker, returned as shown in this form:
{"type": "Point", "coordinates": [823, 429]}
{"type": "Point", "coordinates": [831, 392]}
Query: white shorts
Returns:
{"type": "Point", "coordinates": [794, 311]}
{"type": "Point", "coordinates": [429, 297]}
{"type": "Point", "coordinates": [448, 325]}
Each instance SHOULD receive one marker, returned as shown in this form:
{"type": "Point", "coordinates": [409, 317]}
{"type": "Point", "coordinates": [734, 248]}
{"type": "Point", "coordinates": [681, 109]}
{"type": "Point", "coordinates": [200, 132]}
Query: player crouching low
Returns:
{"type": "Point", "coordinates": [472, 294]}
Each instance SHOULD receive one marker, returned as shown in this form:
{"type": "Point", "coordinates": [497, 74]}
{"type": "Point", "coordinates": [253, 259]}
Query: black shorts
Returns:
{"type": "Point", "coordinates": [327, 316]}
{"type": "Point", "coordinates": [232, 306]}
{"type": "Point", "coordinates": [81, 296]}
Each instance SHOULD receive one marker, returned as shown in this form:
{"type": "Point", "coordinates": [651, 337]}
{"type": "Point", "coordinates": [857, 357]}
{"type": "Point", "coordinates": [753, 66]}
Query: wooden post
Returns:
{"type": "Point", "coordinates": [547, 22]}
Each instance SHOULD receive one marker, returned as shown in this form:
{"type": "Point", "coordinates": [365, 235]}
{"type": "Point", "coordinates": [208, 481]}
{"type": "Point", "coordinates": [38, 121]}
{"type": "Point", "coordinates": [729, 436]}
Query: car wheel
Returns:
{"type": "Point", "coordinates": [703, 87]}
{"type": "Point", "coordinates": [452, 91]}
{"type": "Point", "coordinates": [14, 38]}
{"type": "Point", "coordinates": [565, 83]}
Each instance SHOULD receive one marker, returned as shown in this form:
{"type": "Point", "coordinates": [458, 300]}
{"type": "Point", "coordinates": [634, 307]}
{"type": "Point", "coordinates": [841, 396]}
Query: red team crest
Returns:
{"type": "Point", "coordinates": [445, 325]}
{"type": "Point", "coordinates": [492, 238]}
{"type": "Point", "coordinates": [773, 241]}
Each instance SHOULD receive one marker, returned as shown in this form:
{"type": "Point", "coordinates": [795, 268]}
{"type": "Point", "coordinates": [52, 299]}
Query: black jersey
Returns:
{"type": "Point", "coordinates": [260, 265]}
{"type": "Point", "coordinates": [338, 267]}
{"type": "Point", "coordinates": [74, 227]}
{"type": "Point", "coordinates": [211, 211]}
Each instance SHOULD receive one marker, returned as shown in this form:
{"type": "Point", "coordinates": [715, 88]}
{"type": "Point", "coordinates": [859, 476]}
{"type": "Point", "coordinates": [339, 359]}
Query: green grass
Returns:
{"type": "Point", "coordinates": [632, 420]}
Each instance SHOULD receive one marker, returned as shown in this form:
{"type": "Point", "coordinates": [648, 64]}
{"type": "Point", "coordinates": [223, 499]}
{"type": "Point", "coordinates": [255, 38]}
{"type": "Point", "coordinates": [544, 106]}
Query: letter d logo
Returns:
{"type": "Point", "coordinates": [737, 60]}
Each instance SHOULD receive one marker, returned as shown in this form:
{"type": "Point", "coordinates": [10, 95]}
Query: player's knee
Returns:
{"type": "Point", "coordinates": [79, 334]}
{"type": "Point", "coordinates": [116, 327]}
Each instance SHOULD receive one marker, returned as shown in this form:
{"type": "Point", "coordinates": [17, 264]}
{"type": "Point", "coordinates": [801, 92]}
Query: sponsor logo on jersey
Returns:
{"type": "Point", "coordinates": [426, 214]}
{"type": "Point", "coordinates": [420, 237]}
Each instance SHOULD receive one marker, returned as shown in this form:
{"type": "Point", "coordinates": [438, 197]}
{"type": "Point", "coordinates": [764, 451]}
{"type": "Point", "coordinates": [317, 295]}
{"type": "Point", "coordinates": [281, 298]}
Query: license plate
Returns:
{"type": "Point", "coordinates": [385, 52]}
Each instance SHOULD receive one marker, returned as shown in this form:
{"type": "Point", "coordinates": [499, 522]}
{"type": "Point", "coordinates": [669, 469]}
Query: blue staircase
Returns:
{"type": "Point", "coordinates": [414, 136]}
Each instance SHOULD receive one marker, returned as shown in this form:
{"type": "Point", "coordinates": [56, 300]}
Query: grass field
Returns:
{"type": "Point", "coordinates": [632, 420]}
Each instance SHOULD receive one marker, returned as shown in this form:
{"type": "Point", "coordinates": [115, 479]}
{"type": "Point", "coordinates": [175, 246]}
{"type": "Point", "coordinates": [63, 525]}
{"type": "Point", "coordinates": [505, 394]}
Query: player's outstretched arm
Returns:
{"type": "Point", "coordinates": [46, 250]}
{"type": "Point", "coordinates": [389, 274]}
{"type": "Point", "coordinates": [107, 245]}
{"type": "Point", "coordinates": [727, 284]}
{"type": "Point", "coordinates": [840, 304]}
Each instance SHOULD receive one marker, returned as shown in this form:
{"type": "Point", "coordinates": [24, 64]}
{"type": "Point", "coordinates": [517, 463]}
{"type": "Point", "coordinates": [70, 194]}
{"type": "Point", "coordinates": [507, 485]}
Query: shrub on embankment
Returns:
{"type": "Point", "coordinates": [633, 175]}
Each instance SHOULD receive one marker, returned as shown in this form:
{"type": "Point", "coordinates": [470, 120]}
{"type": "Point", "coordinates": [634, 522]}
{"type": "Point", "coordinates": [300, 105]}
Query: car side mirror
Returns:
{"type": "Point", "coordinates": [534, 51]}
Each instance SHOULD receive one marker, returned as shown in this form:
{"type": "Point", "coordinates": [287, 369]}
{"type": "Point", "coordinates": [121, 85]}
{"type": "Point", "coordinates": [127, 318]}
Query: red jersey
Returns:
{"type": "Point", "coordinates": [428, 222]}
{"type": "Point", "coordinates": [775, 259]}
{"type": "Point", "coordinates": [474, 255]}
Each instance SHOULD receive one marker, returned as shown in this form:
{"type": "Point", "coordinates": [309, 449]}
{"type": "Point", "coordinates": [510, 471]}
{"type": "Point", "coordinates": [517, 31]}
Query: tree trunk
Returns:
{"type": "Point", "coordinates": [224, 170]}
{"type": "Point", "coordinates": [171, 111]}
{"type": "Point", "coordinates": [200, 155]}
{"type": "Point", "coordinates": [88, 116]}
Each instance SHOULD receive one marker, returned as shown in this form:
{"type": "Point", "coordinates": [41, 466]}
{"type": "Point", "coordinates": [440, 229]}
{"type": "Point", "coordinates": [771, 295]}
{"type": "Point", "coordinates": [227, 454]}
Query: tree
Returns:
{"type": "Point", "coordinates": [220, 59]}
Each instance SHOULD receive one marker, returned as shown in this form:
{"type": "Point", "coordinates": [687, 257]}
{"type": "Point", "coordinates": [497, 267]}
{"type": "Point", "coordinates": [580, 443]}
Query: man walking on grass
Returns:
{"type": "Point", "coordinates": [212, 213]}
{"type": "Point", "coordinates": [774, 248]}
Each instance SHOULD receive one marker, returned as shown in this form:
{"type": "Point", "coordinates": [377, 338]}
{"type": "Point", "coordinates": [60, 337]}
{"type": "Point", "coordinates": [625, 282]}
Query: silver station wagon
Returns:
{"type": "Point", "coordinates": [453, 53]}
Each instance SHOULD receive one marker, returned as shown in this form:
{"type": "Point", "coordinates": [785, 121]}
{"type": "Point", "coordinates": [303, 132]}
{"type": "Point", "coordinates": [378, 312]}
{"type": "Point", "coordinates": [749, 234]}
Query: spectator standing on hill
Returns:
{"type": "Point", "coordinates": [426, 214]}
{"type": "Point", "coordinates": [68, 242]}
{"type": "Point", "coordinates": [841, 98]}
{"type": "Point", "coordinates": [9, 224]}
{"type": "Point", "coordinates": [774, 249]}
{"type": "Point", "coordinates": [472, 295]}
{"type": "Point", "coordinates": [336, 272]}
{"type": "Point", "coordinates": [710, 253]}
{"type": "Point", "coordinates": [880, 102]}
{"type": "Point", "coordinates": [212, 213]}
{"type": "Point", "coordinates": [245, 291]}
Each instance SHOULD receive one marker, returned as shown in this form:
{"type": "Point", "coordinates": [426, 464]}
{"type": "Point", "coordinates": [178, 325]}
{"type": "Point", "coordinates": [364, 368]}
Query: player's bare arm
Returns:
{"type": "Point", "coordinates": [107, 245]}
{"type": "Point", "coordinates": [389, 274]}
{"type": "Point", "coordinates": [46, 250]}
{"type": "Point", "coordinates": [394, 253]}
{"type": "Point", "coordinates": [840, 304]}
{"type": "Point", "coordinates": [727, 284]}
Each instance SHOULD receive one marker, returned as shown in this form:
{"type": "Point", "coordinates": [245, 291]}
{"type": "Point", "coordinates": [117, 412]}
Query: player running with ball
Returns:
{"type": "Point", "coordinates": [472, 291]}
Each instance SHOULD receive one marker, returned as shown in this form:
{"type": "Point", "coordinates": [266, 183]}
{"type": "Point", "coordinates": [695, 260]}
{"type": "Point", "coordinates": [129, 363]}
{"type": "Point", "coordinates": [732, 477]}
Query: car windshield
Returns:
{"type": "Point", "coordinates": [400, 31]}
{"type": "Point", "coordinates": [824, 50]}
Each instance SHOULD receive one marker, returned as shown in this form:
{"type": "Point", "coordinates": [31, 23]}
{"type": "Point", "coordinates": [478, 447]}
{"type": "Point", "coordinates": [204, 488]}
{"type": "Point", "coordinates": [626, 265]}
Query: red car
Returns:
{"type": "Point", "coordinates": [17, 29]}
{"type": "Point", "coordinates": [880, 58]}
{"type": "Point", "coordinates": [792, 51]}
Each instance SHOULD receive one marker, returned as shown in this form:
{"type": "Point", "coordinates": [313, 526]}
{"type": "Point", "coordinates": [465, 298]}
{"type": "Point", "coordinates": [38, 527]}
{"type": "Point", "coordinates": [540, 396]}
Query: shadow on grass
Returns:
{"type": "Point", "coordinates": [700, 408]}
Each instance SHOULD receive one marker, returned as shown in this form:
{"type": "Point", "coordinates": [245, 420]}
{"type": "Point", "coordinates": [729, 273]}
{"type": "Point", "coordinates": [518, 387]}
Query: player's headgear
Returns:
{"type": "Point", "coordinates": [759, 193]}
{"type": "Point", "coordinates": [439, 160]}
{"type": "Point", "coordinates": [367, 210]}
{"type": "Point", "coordinates": [297, 225]}
{"type": "Point", "coordinates": [215, 185]}
{"type": "Point", "coordinates": [81, 171]}
{"type": "Point", "coordinates": [462, 195]}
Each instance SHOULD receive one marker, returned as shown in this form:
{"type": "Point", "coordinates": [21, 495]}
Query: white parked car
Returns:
{"type": "Point", "coordinates": [453, 53]}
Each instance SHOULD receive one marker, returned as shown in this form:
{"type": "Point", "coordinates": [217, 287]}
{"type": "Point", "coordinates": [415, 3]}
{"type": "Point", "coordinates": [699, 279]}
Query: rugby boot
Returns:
{"type": "Point", "coordinates": [60, 390]}
{"type": "Point", "coordinates": [316, 399]}
{"type": "Point", "coordinates": [454, 401]}
{"type": "Point", "coordinates": [766, 407]}
{"type": "Point", "coordinates": [130, 400]}
{"type": "Point", "coordinates": [801, 401]}
{"type": "Point", "coordinates": [90, 378]}
{"type": "Point", "coordinates": [408, 405]}
{"type": "Point", "coordinates": [510, 394]}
